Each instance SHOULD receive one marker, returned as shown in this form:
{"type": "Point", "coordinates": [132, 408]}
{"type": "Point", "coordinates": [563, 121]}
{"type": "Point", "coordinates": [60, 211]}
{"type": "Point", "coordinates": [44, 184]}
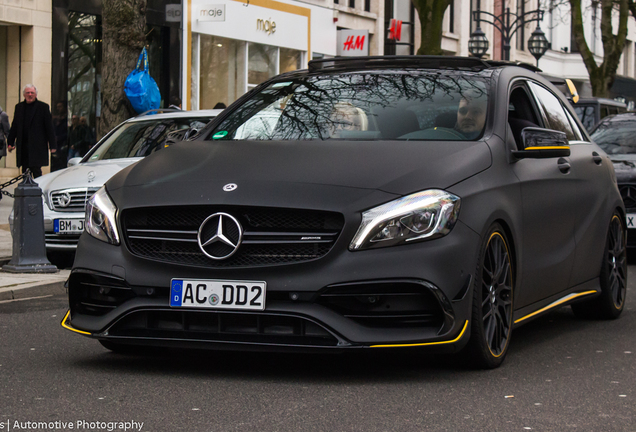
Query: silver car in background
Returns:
{"type": "Point", "coordinates": [65, 192]}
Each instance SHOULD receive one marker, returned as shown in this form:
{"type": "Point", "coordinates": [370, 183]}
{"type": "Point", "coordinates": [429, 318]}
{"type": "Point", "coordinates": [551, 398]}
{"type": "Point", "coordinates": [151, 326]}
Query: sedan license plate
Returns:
{"type": "Point", "coordinates": [217, 294]}
{"type": "Point", "coordinates": [631, 220]}
{"type": "Point", "coordinates": [68, 226]}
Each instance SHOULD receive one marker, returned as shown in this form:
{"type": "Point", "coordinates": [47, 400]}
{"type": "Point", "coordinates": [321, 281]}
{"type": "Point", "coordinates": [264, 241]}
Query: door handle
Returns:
{"type": "Point", "coordinates": [597, 158]}
{"type": "Point", "coordinates": [564, 165]}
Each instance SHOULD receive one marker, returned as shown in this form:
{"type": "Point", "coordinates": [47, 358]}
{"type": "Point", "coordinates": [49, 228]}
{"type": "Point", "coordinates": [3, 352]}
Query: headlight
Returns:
{"type": "Point", "coordinates": [421, 216]}
{"type": "Point", "coordinates": [100, 217]}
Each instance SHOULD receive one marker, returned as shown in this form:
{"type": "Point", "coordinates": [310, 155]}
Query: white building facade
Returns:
{"type": "Point", "coordinates": [231, 46]}
{"type": "Point", "coordinates": [562, 60]}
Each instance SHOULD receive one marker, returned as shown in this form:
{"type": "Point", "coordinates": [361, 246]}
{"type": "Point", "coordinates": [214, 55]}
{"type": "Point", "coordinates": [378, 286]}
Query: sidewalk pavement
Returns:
{"type": "Point", "coordinates": [15, 286]}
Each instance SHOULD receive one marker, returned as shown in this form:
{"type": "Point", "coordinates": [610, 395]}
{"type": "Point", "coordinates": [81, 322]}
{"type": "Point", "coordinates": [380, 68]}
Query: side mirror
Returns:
{"type": "Point", "coordinates": [73, 161]}
{"type": "Point", "coordinates": [541, 143]}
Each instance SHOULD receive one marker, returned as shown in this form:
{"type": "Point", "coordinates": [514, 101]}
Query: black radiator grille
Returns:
{"type": "Point", "coordinates": [271, 236]}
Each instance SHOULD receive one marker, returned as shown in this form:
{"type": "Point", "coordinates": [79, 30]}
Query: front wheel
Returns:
{"type": "Point", "coordinates": [491, 320]}
{"type": "Point", "coordinates": [613, 278]}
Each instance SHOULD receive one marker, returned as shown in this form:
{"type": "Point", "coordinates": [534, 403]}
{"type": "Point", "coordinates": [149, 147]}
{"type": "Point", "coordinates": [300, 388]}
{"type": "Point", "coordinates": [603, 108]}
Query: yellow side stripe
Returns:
{"type": "Point", "coordinates": [548, 148]}
{"type": "Point", "coordinates": [426, 343]}
{"type": "Point", "coordinates": [556, 303]}
{"type": "Point", "coordinates": [68, 327]}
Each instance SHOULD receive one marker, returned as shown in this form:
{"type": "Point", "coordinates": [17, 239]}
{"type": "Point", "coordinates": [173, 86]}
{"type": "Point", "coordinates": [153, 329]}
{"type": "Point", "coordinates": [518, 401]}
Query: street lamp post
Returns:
{"type": "Point", "coordinates": [537, 44]}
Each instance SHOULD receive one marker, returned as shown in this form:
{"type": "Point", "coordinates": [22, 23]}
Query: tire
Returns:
{"type": "Point", "coordinates": [491, 318]}
{"type": "Point", "coordinates": [613, 278]}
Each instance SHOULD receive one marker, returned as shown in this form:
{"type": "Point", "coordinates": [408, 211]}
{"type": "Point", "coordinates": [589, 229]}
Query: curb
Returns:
{"type": "Point", "coordinates": [34, 289]}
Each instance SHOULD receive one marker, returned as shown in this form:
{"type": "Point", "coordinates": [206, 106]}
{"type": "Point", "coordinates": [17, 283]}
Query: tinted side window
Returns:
{"type": "Point", "coordinates": [575, 127]}
{"type": "Point", "coordinates": [586, 115]}
{"type": "Point", "coordinates": [554, 113]}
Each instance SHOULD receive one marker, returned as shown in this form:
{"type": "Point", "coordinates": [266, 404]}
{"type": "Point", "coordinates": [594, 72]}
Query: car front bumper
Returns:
{"type": "Point", "coordinates": [57, 241]}
{"type": "Point", "coordinates": [411, 295]}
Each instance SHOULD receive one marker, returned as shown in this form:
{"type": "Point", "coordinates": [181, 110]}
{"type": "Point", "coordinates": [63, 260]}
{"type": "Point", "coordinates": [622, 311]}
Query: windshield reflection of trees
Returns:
{"type": "Point", "coordinates": [144, 138]}
{"type": "Point", "coordinates": [352, 106]}
{"type": "Point", "coordinates": [616, 138]}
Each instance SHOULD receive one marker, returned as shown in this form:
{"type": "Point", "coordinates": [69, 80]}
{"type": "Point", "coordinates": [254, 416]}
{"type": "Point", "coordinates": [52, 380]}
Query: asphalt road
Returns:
{"type": "Point", "coordinates": [561, 374]}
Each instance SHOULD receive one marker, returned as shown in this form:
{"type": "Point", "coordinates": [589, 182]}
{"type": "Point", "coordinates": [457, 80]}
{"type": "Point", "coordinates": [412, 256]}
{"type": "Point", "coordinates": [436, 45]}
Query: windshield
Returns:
{"type": "Point", "coordinates": [411, 105]}
{"type": "Point", "coordinates": [616, 137]}
{"type": "Point", "coordinates": [140, 138]}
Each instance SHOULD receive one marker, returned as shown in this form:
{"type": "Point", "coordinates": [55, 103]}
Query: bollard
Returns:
{"type": "Point", "coordinates": [29, 248]}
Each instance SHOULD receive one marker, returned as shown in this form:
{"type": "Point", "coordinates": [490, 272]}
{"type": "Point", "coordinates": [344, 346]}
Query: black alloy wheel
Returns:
{"type": "Point", "coordinates": [613, 278]}
{"type": "Point", "coordinates": [491, 323]}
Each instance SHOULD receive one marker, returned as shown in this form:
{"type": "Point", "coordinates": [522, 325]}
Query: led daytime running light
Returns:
{"type": "Point", "coordinates": [443, 206]}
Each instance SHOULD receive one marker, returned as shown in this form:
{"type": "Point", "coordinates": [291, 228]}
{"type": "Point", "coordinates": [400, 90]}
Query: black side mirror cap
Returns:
{"type": "Point", "coordinates": [542, 143]}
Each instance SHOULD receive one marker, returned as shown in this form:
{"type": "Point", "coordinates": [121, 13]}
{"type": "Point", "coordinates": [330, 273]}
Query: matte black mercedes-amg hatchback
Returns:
{"type": "Point", "coordinates": [363, 203]}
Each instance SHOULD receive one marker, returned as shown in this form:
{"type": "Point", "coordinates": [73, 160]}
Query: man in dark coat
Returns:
{"type": "Point", "coordinates": [4, 132]}
{"type": "Point", "coordinates": [32, 127]}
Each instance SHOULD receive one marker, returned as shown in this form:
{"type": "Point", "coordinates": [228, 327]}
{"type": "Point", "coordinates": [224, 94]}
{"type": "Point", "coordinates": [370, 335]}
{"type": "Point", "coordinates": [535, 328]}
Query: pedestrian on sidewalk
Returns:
{"type": "Point", "coordinates": [32, 132]}
{"type": "Point", "coordinates": [4, 132]}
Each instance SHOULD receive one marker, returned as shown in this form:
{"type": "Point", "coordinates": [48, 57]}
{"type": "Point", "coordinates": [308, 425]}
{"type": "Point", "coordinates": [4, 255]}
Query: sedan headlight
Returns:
{"type": "Point", "coordinates": [421, 216]}
{"type": "Point", "coordinates": [100, 217]}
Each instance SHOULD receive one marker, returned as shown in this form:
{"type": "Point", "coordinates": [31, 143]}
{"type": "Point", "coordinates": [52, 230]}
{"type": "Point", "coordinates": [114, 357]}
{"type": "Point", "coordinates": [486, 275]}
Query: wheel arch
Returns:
{"type": "Point", "coordinates": [512, 247]}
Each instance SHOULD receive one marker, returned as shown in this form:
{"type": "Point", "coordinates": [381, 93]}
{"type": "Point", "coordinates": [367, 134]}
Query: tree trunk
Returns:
{"type": "Point", "coordinates": [124, 22]}
{"type": "Point", "coordinates": [602, 76]}
{"type": "Point", "coordinates": [431, 14]}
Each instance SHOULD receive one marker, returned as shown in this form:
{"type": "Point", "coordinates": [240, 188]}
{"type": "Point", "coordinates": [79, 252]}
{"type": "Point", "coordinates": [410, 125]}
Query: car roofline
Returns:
{"type": "Point", "coordinates": [432, 62]}
{"type": "Point", "coordinates": [160, 114]}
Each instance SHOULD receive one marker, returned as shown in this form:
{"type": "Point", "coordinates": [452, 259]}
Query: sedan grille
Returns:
{"type": "Point", "coordinates": [71, 200]}
{"type": "Point", "coordinates": [271, 236]}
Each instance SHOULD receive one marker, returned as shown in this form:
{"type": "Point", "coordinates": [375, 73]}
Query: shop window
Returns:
{"type": "Point", "coordinates": [262, 62]}
{"type": "Point", "coordinates": [84, 64]}
{"type": "Point", "coordinates": [290, 60]}
{"type": "Point", "coordinates": [220, 67]}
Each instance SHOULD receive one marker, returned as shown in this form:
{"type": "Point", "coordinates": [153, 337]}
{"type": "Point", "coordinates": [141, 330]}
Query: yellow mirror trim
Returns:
{"type": "Point", "coordinates": [548, 148]}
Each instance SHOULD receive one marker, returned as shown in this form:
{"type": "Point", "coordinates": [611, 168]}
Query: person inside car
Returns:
{"type": "Point", "coordinates": [471, 115]}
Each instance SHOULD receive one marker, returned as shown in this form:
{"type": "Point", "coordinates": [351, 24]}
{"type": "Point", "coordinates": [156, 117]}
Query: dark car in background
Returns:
{"type": "Point", "coordinates": [617, 136]}
{"type": "Point", "coordinates": [365, 203]}
{"type": "Point", "coordinates": [593, 110]}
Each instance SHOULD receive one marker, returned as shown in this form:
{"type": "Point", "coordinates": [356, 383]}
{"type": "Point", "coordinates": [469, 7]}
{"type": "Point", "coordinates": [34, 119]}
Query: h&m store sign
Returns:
{"type": "Point", "coordinates": [353, 43]}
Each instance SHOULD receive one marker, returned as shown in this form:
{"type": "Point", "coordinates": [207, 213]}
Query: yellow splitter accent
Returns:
{"type": "Point", "coordinates": [425, 343]}
{"type": "Point", "coordinates": [68, 326]}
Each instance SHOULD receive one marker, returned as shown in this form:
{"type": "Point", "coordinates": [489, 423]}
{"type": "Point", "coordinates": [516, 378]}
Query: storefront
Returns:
{"type": "Point", "coordinates": [77, 58]}
{"type": "Point", "coordinates": [236, 45]}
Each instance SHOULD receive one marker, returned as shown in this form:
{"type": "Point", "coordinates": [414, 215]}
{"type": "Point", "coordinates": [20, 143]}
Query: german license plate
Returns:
{"type": "Point", "coordinates": [217, 294]}
{"type": "Point", "coordinates": [68, 226]}
{"type": "Point", "coordinates": [631, 220]}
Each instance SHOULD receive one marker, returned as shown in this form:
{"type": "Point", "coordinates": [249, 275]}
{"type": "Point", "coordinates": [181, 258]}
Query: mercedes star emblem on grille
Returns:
{"type": "Point", "coordinates": [64, 199]}
{"type": "Point", "coordinates": [230, 187]}
{"type": "Point", "coordinates": [219, 236]}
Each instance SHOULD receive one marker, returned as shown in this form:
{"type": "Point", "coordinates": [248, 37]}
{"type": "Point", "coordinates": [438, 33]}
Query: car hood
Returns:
{"type": "Point", "coordinates": [291, 171]}
{"type": "Point", "coordinates": [89, 174]}
{"type": "Point", "coordinates": [625, 167]}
